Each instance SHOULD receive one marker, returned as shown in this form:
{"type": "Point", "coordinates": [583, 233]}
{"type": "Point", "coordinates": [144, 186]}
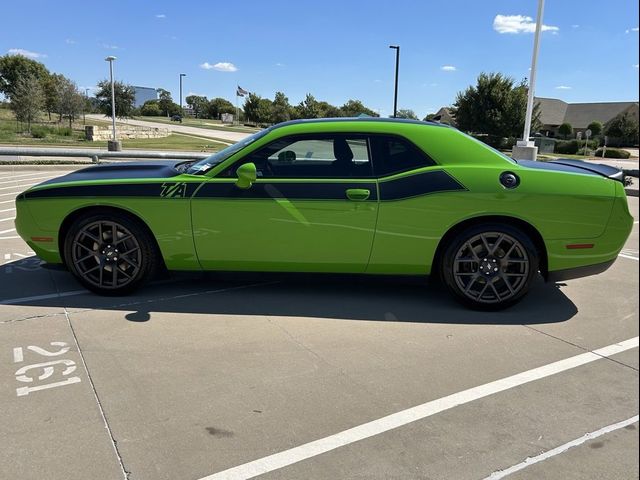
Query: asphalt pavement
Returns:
{"type": "Point", "coordinates": [219, 377]}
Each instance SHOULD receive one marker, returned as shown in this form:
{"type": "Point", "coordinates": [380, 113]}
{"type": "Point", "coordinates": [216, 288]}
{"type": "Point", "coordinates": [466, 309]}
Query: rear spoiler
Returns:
{"type": "Point", "coordinates": [604, 170]}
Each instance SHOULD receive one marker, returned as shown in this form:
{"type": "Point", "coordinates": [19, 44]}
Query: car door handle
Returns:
{"type": "Point", "coordinates": [358, 194]}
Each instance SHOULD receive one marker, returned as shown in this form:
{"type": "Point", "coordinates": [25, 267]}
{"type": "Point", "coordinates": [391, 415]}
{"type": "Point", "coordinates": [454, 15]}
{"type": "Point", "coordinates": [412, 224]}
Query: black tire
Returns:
{"type": "Point", "coordinates": [490, 266]}
{"type": "Point", "coordinates": [107, 267]}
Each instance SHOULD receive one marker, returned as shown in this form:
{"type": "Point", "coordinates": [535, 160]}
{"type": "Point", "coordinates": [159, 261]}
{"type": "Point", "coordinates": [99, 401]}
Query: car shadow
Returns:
{"type": "Point", "coordinates": [349, 297]}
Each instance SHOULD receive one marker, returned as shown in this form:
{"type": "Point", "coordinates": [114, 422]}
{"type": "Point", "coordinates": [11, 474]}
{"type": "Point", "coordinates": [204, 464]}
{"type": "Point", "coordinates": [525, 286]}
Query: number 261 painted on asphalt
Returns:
{"type": "Point", "coordinates": [37, 372]}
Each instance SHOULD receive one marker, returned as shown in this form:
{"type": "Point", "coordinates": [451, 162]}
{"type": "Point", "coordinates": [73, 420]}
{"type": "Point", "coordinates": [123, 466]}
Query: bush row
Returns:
{"type": "Point", "coordinates": [571, 147]}
{"type": "Point", "coordinates": [613, 153]}
{"type": "Point", "coordinates": [41, 131]}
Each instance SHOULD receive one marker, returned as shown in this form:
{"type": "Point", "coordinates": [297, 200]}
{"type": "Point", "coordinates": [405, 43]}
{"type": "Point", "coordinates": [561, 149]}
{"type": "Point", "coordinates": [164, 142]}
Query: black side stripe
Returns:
{"type": "Point", "coordinates": [417, 185]}
{"type": "Point", "coordinates": [292, 191]}
{"type": "Point", "coordinates": [164, 189]}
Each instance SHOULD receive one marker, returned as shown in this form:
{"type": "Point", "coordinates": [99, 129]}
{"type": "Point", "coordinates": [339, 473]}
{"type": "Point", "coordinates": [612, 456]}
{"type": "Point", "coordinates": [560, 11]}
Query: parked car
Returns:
{"type": "Point", "coordinates": [176, 118]}
{"type": "Point", "coordinates": [368, 196]}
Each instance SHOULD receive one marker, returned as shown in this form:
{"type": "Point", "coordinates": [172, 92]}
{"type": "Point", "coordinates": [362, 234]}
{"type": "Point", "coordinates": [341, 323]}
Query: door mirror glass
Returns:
{"type": "Point", "coordinates": [246, 175]}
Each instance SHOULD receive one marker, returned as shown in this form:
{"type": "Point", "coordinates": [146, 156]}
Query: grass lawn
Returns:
{"type": "Point", "coordinates": [207, 123]}
{"type": "Point", "coordinates": [58, 135]}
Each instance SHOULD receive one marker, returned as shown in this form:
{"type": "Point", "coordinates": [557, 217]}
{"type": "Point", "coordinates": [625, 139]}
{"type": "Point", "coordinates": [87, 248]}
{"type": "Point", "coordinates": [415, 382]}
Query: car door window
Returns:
{"type": "Point", "coordinates": [318, 156]}
{"type": "Point", "coordinates": [396, 155]}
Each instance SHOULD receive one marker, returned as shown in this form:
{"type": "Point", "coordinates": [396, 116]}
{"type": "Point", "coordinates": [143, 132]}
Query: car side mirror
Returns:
{"type": "Point", "coordinates": [246, 175]}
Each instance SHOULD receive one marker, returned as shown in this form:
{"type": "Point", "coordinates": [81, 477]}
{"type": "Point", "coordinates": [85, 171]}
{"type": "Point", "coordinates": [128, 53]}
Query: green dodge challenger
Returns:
{"type": "Point", "coordinates": [369, 196]}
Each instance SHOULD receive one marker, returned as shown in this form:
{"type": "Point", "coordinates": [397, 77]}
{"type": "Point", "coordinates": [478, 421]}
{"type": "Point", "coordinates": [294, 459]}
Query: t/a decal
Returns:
{"type": "Point", "coordinates": [174, 190]}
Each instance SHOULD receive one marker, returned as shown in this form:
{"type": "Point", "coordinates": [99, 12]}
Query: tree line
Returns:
{"type": "Point", "coordinates": [31, 89]}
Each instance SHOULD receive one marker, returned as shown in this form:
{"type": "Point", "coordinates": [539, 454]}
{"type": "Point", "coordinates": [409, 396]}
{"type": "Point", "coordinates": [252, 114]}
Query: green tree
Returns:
{"type": "Point", "coordinates": [623, 127]}
{"type": "Point", "coordinates": [495, 106]}
{"type": "Point", "coordinates": [406, 113]}
{"type": "Point", "coordinates": [251, 107]}
{"type": "Point", "coordinates": [308, 108]}
{"type": "Point", "coordinates": [265, 111]}
{"type": "Point", "coordinates": [51, 90]}
{"type": "Point", "coordinates": [27, 99]}
{"type": "Point", "coordinates": [150, 108]}
{"type": "Point", "coordinates": [124, 94]}
{"type": "Point", "coordinates": [329, 111]}
{"type": "Point", "coordinates": [167, 106]}
{"type": "Point", "coordinates": [565, 129]}
{"type": "Point", "coordinates": [596, 128]}
{"type": "Point", "coordinates": [280, 108]}
{"type": "Point", "coordinates": [199, 104]}
{"type": "Point", "coordinates": [353, 108]}
{"type": "Point", "coordinates": [70, 100]}
{"type": "Point", "coordinates": [217, 106]}
{"type": "Point", "coordinates": [15, 67]}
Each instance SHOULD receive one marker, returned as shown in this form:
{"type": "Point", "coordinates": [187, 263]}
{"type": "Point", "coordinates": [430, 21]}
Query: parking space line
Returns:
{"type": "Point", "coordinates": [7, 210]}
{"type": "Point", "coordinates": [627, 256]}
{"type": "Point", "coordinates": [561, 449]}
{"type": "Point", "coordinates": [13, 301]}
{"type": "Point", "coordinates": [410, 415]}
{"type": "Point", "coordinates": [7, 231]}
{"type": "Point", "coordinates": [34, 174]}
{"type": "Point", "coordinates": [10, 193]}
{"type": "Point", "coordinates": [7, 219]}
{"type": "Point", "coordinates": [8, 201]}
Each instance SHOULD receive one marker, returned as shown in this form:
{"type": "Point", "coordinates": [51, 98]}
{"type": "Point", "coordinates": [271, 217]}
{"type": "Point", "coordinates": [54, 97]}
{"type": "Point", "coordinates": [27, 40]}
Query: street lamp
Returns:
{"type": "Point", "coordinates": [395, 96]}
{"type": "Point", "coordinates": [110, 59]}
{"type": "Point", "coordinates": [181, 75]}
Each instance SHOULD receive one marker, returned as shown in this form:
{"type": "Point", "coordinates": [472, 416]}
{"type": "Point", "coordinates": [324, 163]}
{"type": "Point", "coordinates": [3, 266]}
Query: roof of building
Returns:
{"type": "Point", "coordinates": [556, 112]}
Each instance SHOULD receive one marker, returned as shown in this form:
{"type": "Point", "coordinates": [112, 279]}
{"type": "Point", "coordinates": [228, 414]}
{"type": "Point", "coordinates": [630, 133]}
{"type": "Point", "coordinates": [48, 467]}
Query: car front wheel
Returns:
{"type": "Point", "coordinates": [490, 267]}
{"type": "Point", "coordinates": [110, 254]}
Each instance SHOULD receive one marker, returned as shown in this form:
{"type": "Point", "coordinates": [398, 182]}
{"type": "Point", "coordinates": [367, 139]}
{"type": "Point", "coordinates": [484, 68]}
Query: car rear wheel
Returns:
{"type": "Point", "coordinates": [110, 254]}
{"type": "Point", "coordinates": [490, 267]}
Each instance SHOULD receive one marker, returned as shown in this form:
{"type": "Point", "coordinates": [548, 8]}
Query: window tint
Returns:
{"type": "Point", "coordinates": [395, 155]}
{"type": "Point", "coordinates": [318, 156]}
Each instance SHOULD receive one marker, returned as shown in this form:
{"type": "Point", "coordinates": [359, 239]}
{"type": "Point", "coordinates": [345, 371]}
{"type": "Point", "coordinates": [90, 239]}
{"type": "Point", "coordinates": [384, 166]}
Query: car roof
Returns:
{"type": "Point", "coordinates": [359, 119]}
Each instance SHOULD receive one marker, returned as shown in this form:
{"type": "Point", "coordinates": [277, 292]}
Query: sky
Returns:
{"type": "Point", "coordinates": [335, 50]}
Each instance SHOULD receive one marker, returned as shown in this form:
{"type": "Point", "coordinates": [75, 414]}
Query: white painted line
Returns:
{"type": "Point", "coordinates": [13, 301]}
{"type": "Point", "coordinates": [561, 449]}
{"type": "Point", "coordinates": [7, 219]}
{"type": "Point", "coordinates": [636, 222]}
{"type": "Point", "coordinates": [11, 193]}
{"type": "Point", "coordinates": [7, 210]}
{"type": "Point", "coordinates": [8, 201]}
{"type": "Point", "coordinates": [9, 238]}
{"type": "Point", "coordinates": [42, 172]}
{"type": "Point", "coordinates": [20, 185]}
{"type": "Point", "coordinates": [410, 415]}
{"type": "Point", "coordinates": [6, 181]}
{"type": "Point", "coordinates": [627, 256]}
{"type": "Point", "coordinates": [7, 231]}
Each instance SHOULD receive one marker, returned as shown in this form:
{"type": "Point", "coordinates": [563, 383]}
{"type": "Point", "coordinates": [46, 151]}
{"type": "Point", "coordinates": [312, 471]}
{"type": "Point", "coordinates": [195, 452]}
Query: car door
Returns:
{"type": "Point", "coordinates": [416, 197]}
{"type": "Point", "coordinates": [312, 208]}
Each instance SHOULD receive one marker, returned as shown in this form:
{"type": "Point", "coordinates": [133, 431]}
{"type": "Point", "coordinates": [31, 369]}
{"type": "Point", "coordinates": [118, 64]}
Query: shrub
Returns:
{"type": "Point", "coordinates": [613, 153]}
{"type": "Point", "coordinates": [64, 131]}
{"type": "Point", "coordinates": [572, 147]}
{"type": "Point", "coordinates": [40, 131]}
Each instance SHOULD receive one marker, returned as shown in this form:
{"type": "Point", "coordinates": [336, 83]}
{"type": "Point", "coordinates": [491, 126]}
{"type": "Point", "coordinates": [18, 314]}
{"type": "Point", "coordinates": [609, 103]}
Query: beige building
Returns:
{"type": "Point", "coordinates": [555, 112]}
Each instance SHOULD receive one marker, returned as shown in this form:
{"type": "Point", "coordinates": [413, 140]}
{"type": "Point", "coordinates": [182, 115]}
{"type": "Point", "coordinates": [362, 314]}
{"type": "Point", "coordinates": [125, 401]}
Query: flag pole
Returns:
{"type": "Point", "coordinates": [237, 109]}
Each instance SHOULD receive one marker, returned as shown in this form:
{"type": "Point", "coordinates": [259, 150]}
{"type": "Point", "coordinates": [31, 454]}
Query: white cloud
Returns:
{"type": "Point", "coordinates": [161, 15]}
{"type": "Point", "coordinates": [220, 66]}
{"type": "Point", "coordinates": [448, 68]}
{"type": "Point", "coordinates": [25, 53]}
{"type": "Point", "coordinates": [635, 66]}
{"type": "Point", "coordinates": [279, 64]}
{"type": "Point", "coordinates": [109, 46]}
{"type": "Point", "coordinates": [634, 29]}
{"type": "Point", "coordinates": [575, 26]}
{"type": "Point", "coordinates": [70, 41]}
{"type": "Point", "coordinates": [563, 87]}
{"type": "Point", "coordinates": [518, 24]}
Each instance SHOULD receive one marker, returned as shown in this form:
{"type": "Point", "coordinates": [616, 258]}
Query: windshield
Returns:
{"type": "Point", "coordinates": [208, 163]}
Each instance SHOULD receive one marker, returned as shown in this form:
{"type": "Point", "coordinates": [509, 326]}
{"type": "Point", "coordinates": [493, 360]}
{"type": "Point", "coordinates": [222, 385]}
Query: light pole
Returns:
{"type": "Point", "coordinates": [395, 95]}
{"type": "Point", "coordinates": [524, 149]}
{"type": "Point", "coordinates": [181, 110]}
{"type": "Point", "coordinates": [110, 59]}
